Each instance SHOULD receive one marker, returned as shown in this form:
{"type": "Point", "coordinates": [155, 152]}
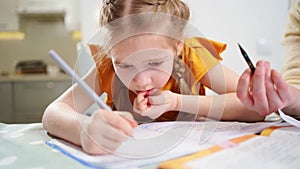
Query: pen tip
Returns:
{"type": "Point", "coordinates": [239, 45]}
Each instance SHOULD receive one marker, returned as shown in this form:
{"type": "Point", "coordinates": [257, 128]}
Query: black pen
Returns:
{"type": "Point", "coordinates": [246, 57]}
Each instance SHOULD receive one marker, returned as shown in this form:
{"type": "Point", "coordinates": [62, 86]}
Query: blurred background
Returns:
{"type": "Point", "coordinates": [30, 80]}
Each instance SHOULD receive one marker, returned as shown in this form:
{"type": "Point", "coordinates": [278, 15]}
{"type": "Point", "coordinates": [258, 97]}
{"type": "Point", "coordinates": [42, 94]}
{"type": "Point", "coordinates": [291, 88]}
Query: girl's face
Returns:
{"type": "Point", "coordinates": [144, 62]}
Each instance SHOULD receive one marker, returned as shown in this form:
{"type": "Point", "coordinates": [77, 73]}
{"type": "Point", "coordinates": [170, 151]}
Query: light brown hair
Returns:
{"type": "Point", "coordinates": [115, 9]}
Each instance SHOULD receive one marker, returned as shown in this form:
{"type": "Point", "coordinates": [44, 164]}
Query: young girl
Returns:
{"type": "Point", "coordinates": [150, 73]}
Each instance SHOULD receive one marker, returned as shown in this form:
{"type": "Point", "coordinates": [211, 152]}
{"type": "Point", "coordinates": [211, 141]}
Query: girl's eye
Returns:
{"type": "Point", "coordinates": [124, 66]}
{"type": "Point", "coordinates": [155, 63]}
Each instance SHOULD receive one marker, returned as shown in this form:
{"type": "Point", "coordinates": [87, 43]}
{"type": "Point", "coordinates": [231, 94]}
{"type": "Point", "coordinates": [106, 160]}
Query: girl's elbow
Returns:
{"type": "Point", "coordinates": [48, 117]}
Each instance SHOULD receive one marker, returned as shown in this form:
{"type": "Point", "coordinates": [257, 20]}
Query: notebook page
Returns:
{"type": "Point", "coordinates": [156, 142]}
{"type": "Point", "coordinates": [259, 152]}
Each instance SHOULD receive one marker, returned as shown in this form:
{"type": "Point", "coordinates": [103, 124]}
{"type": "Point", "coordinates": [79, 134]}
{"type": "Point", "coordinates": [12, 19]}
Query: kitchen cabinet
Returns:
{"type": "Point", "coordinates": [6, 103]}
{"type": "Point", "coordinates": [9, 20]}
{"type": "Point", "coordinates": [69, 9]}
{"type": "Point", "coordinates": [24, 99]}
{"type": "Point", "coordinates": [31, 98]}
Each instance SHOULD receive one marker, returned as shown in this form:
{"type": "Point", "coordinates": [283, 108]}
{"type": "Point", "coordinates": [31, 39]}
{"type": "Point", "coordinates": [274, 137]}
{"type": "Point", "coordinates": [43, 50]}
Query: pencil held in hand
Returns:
{"type": "Point", "coordinates": [246, 57]}
{"type": "Point", "coordinates": [80, 82]}
{"type": "Point", "coordinates": [84, 86]}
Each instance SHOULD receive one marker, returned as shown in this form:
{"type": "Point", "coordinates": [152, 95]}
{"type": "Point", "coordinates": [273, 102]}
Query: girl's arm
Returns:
{"type": "Point", "coordinates": [63, 117]}
{"type": "Point", "coordinates": [226, 105]}
{"type": "Point", "coordinates": [101, 133]}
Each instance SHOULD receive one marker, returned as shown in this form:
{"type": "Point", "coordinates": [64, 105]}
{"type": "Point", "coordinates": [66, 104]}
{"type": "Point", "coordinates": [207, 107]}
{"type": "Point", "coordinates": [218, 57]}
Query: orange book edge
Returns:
{"type": "Point", "coordinates": [179, 162]}
{"type": "Point", "coordinates": [268, 131]}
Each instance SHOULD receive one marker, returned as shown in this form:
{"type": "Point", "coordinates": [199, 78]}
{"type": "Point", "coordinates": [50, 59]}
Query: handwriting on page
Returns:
{"type": "Point", "coordinates": [202, 132]}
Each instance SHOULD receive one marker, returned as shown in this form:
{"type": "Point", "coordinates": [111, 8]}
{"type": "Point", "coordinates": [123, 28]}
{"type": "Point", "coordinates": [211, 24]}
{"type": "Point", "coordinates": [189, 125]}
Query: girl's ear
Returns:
{"type": "Point", "coordinates": [179, 46]}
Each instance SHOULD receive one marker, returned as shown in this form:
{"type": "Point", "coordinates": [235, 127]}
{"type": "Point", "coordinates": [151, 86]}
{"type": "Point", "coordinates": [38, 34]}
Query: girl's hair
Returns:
{"type": "Point", "coordinates": [127, 18]}
{"type": "Point", "coordinates": [115, 9]}
{"type": "Point", "coordinates": [168, 16]}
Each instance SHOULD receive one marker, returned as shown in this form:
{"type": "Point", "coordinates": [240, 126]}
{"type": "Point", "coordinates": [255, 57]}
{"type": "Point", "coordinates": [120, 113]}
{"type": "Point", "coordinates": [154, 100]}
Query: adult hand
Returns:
{"type": "Point", "coordinates": [265, 91]}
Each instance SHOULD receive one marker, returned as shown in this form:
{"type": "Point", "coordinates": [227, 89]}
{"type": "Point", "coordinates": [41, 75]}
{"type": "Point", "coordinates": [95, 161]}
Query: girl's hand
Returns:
{"type": "Point", "coordinates": [156, 104]}
{"type": "Point", "coordinates": [265, 91]}
{"type": "Point", "coordinates": [104, 132]}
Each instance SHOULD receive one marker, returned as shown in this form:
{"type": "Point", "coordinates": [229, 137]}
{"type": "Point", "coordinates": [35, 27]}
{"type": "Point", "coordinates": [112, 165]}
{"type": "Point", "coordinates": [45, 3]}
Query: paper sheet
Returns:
{"type": "Point", "coordinates": [259, 152]}
{"type": "Point", "coordinates": [157, 142]}
{"type": "Point", "coordinates": [289, 119]}
{"type": "Point", "coordinates": [287, 132]}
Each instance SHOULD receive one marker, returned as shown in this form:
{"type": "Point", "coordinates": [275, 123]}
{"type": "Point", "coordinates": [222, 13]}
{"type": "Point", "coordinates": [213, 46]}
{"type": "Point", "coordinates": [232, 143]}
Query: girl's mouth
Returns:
{"type": "Point", "coordinates": [148, 92]}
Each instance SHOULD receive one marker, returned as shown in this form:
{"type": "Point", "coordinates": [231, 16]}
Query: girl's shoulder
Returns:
{"type": "Point", "coordinates": [198, 43]}
{"type": "Point", "coordinates": [200, 55]}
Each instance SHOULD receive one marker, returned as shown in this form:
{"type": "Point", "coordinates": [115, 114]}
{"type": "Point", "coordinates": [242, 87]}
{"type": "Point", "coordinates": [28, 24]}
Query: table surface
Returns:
{"type": "Point", "coordinates": [23, 146]}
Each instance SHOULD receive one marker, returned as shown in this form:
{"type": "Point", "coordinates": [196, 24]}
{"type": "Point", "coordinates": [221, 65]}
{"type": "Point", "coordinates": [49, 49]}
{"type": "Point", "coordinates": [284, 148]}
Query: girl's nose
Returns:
{"type": "Point", "coordinates": [142, 79]}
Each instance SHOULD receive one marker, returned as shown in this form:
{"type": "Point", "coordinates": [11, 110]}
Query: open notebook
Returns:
{"type": "Point", "coordinates": [275, 148]}
{"type": "Point", "coordinates": [154, 143]}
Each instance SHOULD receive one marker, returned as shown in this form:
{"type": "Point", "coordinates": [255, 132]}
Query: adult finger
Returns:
{"type": "Point", "coordinates": [243, 89]}
{"type": "Point", "coordinates": [281, 87]}
{"type": "Point", "coordinates": [274, 100]}
{"type": "Point", "coordinates": [259, 89]}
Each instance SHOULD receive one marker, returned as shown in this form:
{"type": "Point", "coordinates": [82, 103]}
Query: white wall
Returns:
{"type": "Point", "coordinates": [89, 25]}
{"type": "Point", "coordinates": [89, 18]}
{"type": "Point", "coordinates": [258, 25]}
